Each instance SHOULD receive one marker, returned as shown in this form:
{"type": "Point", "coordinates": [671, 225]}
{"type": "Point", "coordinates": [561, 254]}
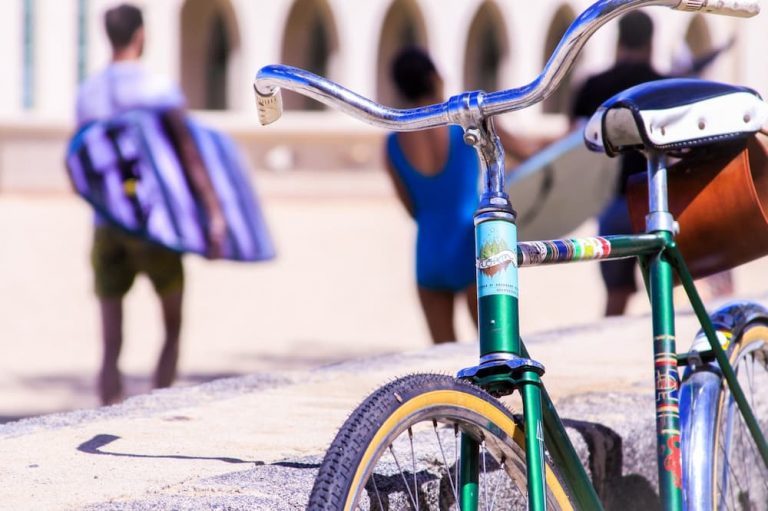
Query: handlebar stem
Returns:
{"type": "Point", "coordinates": [466, 110]}
{"type": "Point", "coordinates": [491, 154]}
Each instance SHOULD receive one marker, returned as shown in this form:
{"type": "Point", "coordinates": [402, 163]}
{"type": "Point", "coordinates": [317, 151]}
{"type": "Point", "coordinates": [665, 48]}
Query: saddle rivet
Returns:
{"type": "Point", "coordinates": [747, 118]}
{"type": "Point", "coordinates": [702, 124]}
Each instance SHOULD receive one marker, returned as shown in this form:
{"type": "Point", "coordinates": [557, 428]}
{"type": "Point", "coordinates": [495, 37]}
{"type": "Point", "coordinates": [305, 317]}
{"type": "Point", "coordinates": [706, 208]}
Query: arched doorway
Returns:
{"type": "Point", "coordinates": [210, 40]}
{"type": "Point", "coordinates": [560, 100]}
{"type": "Point", "coordinates": [309, 42]}
{"type": "Point", "coordinates": [486, 49]}
{"type": "Point", "coordinates": [403, 26]}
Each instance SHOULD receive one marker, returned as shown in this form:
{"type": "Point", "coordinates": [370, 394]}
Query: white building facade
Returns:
{"type": "Point", "coordinates": [214, 47]}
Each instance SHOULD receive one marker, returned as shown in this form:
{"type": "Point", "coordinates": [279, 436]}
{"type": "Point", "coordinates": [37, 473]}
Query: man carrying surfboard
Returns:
{"type": "Point", "coordinates": [116, 256]}
{"type": "Point", "coordinates": [632, 67]}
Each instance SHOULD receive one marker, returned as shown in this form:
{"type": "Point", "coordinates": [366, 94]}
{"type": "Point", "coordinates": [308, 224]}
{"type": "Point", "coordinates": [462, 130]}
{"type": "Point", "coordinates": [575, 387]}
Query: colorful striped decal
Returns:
{"type": "Point", "coordinates": [667, 410]}
{"type": "Point", "coordinates": [532, 253]}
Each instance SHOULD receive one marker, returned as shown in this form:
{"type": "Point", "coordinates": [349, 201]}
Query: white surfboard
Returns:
{"type": "Point", "coordinates": [560, 187]}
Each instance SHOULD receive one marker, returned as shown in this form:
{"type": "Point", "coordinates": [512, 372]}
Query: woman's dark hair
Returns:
{"type": "Point", "coordinates": [413, 73]}
{"type": "Point", "coordinates": [121, 23]}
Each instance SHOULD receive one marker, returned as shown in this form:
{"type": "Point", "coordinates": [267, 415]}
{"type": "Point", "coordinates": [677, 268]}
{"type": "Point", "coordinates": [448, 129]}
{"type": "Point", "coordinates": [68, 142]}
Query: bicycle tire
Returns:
{"type": "Point", "coordinates": [724, 468]}
{"type": "Point", "coordinates": [355, 474]}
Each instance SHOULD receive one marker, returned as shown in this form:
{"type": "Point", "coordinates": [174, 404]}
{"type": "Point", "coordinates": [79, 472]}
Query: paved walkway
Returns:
{"type": "Point", "coordinates": [171, 444]}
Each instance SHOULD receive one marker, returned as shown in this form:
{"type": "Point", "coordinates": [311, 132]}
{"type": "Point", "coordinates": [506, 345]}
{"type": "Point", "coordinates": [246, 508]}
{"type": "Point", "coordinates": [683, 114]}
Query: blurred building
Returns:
{"type": "Point", "coordinates": [214, 47]}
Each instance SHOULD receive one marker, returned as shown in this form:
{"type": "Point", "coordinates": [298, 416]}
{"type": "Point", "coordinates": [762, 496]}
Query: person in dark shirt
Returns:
{"type": "Point", "coordinates": [632, 67]}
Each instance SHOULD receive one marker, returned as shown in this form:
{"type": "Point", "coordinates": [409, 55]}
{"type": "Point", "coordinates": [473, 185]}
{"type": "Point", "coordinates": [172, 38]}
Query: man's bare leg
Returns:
{"type": "Point", "coordinates": [169, 356]}
{"type": "Point", "coordinates": [617, 301]}
{"type": "Point", "coordinates": [110, 380]}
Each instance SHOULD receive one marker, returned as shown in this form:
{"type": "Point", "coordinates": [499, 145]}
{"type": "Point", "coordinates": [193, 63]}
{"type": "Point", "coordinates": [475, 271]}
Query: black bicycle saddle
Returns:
{"type": "Point", "coordinates": [673, 114]}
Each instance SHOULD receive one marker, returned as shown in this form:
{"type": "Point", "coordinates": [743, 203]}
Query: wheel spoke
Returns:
{"type": "Point", "coordinates": [413, 468]}
{"type": "Point", "coordinates": [378, 495]}
{"type": "Point", "coordinates": [750, 374]}
{"type": "Point", "coordinates": [457, 458]}
{"type": "Point", "coordinates": [402, 475]}
{"type": "Point", "coordinates": [499, 477]}
{"type": "Point", "coordinates": [485, 473]}
{"type": "Point", "coordinates": [445, 463]}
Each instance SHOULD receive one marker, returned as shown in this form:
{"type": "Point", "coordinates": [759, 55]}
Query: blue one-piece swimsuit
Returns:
{"type": "Point", "coordinates": [444, 205]}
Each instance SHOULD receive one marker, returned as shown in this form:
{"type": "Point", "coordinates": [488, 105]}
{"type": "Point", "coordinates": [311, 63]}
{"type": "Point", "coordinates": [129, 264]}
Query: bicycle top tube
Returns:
{"type": "Point", "coordinates": [470, 108]}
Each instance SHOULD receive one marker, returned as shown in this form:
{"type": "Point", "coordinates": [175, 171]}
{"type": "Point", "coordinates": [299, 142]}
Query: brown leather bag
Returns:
{"type": "Point", "coordinates": [720, 201]}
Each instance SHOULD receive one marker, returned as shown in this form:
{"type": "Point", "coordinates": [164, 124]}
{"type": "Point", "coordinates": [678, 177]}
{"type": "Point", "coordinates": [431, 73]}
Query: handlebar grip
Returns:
{"type": "Point", "coordinates": [737, 8]}
{"type": "Point", "coordinates": [270, 105]}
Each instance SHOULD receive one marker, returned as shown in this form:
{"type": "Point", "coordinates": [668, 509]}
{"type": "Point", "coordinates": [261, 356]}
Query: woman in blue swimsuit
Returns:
{"type": "Point", "coordinates": [436, 177]}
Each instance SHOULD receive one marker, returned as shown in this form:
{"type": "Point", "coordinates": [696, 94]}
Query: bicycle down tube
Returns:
{"type": "Point", "coordinates": [504, 363]}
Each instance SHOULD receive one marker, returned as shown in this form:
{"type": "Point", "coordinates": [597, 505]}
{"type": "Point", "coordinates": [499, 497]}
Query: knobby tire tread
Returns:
{"type": "Point", "coordinates": [336, 473]}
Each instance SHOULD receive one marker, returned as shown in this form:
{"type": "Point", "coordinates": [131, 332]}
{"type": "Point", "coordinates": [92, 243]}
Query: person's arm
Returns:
{"type": "Point", "coordinates": [198, 179]}
{"type": "Point", "coordinates": [522, 148]}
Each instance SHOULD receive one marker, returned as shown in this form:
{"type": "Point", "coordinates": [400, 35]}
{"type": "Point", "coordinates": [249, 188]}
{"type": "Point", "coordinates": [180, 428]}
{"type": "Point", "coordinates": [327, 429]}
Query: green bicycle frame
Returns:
{"type": "Point", "coordinates": [500, 342]}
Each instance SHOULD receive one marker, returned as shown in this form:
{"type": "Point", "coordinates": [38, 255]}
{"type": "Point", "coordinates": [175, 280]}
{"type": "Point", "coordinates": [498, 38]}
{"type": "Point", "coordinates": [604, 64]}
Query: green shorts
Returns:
{"type": "Point", "coordinates": [117, 257]}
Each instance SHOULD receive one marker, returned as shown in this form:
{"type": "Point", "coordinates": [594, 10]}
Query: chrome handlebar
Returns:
{"type": "Point", "coordinates": [473, 111]}
{"type": "Point", "coordinates": [270, 79]}
{"type": "Point", "coordinates": [470, 108]}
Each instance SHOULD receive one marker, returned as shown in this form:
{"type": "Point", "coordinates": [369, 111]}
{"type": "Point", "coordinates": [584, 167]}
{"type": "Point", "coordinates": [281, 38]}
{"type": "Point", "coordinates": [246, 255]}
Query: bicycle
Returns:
{"type": "Point", "coordinates": [704, 420]}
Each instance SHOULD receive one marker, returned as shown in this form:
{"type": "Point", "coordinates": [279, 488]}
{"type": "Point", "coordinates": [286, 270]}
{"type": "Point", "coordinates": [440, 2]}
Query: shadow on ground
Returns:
{"type": "Point", "coordinates": [97, 444]}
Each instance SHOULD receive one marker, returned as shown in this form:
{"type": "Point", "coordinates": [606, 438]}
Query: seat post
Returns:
{"type": "Point", "coordinates": [659, 279]}
{"type": "Point", "coordinates": [659, 218]}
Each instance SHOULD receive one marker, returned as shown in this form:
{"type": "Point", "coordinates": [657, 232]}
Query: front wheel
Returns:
{"type": "Point", "coordinates": [400, 449]}
{"type": "Point", "coordinates": [723, 468]}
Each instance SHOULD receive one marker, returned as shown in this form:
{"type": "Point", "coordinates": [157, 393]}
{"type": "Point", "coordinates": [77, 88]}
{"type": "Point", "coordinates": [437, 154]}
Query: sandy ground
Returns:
{"type": "Point", "coordinates": [341, 287]}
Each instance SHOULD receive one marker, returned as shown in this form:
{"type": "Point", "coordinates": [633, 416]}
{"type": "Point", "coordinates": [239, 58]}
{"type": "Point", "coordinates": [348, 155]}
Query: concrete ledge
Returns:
{"type": "Point", "coordinates": [619, 454]}
{"type": "Point", "coordinates": [255, 442]}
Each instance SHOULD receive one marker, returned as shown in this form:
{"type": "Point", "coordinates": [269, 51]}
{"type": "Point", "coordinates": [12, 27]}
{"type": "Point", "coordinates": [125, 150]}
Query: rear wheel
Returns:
{"type": "Point", "coordinates": [400, 449]}
{"type": "Point", "coordinates": [723, 468]}
{"type": "Point", "coordinates": [739, 473]}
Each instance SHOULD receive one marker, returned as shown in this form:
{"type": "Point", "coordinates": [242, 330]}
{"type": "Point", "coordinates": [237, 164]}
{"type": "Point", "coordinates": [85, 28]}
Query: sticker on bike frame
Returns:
{"type": "Point", "coordinates": [667, 390]}
{"type": "Point", "coordinates": [496, 249]}
{"type": "Point", "coordinates": [667, 409]}
{"type": "Point", "coordinates": [579, 249]}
